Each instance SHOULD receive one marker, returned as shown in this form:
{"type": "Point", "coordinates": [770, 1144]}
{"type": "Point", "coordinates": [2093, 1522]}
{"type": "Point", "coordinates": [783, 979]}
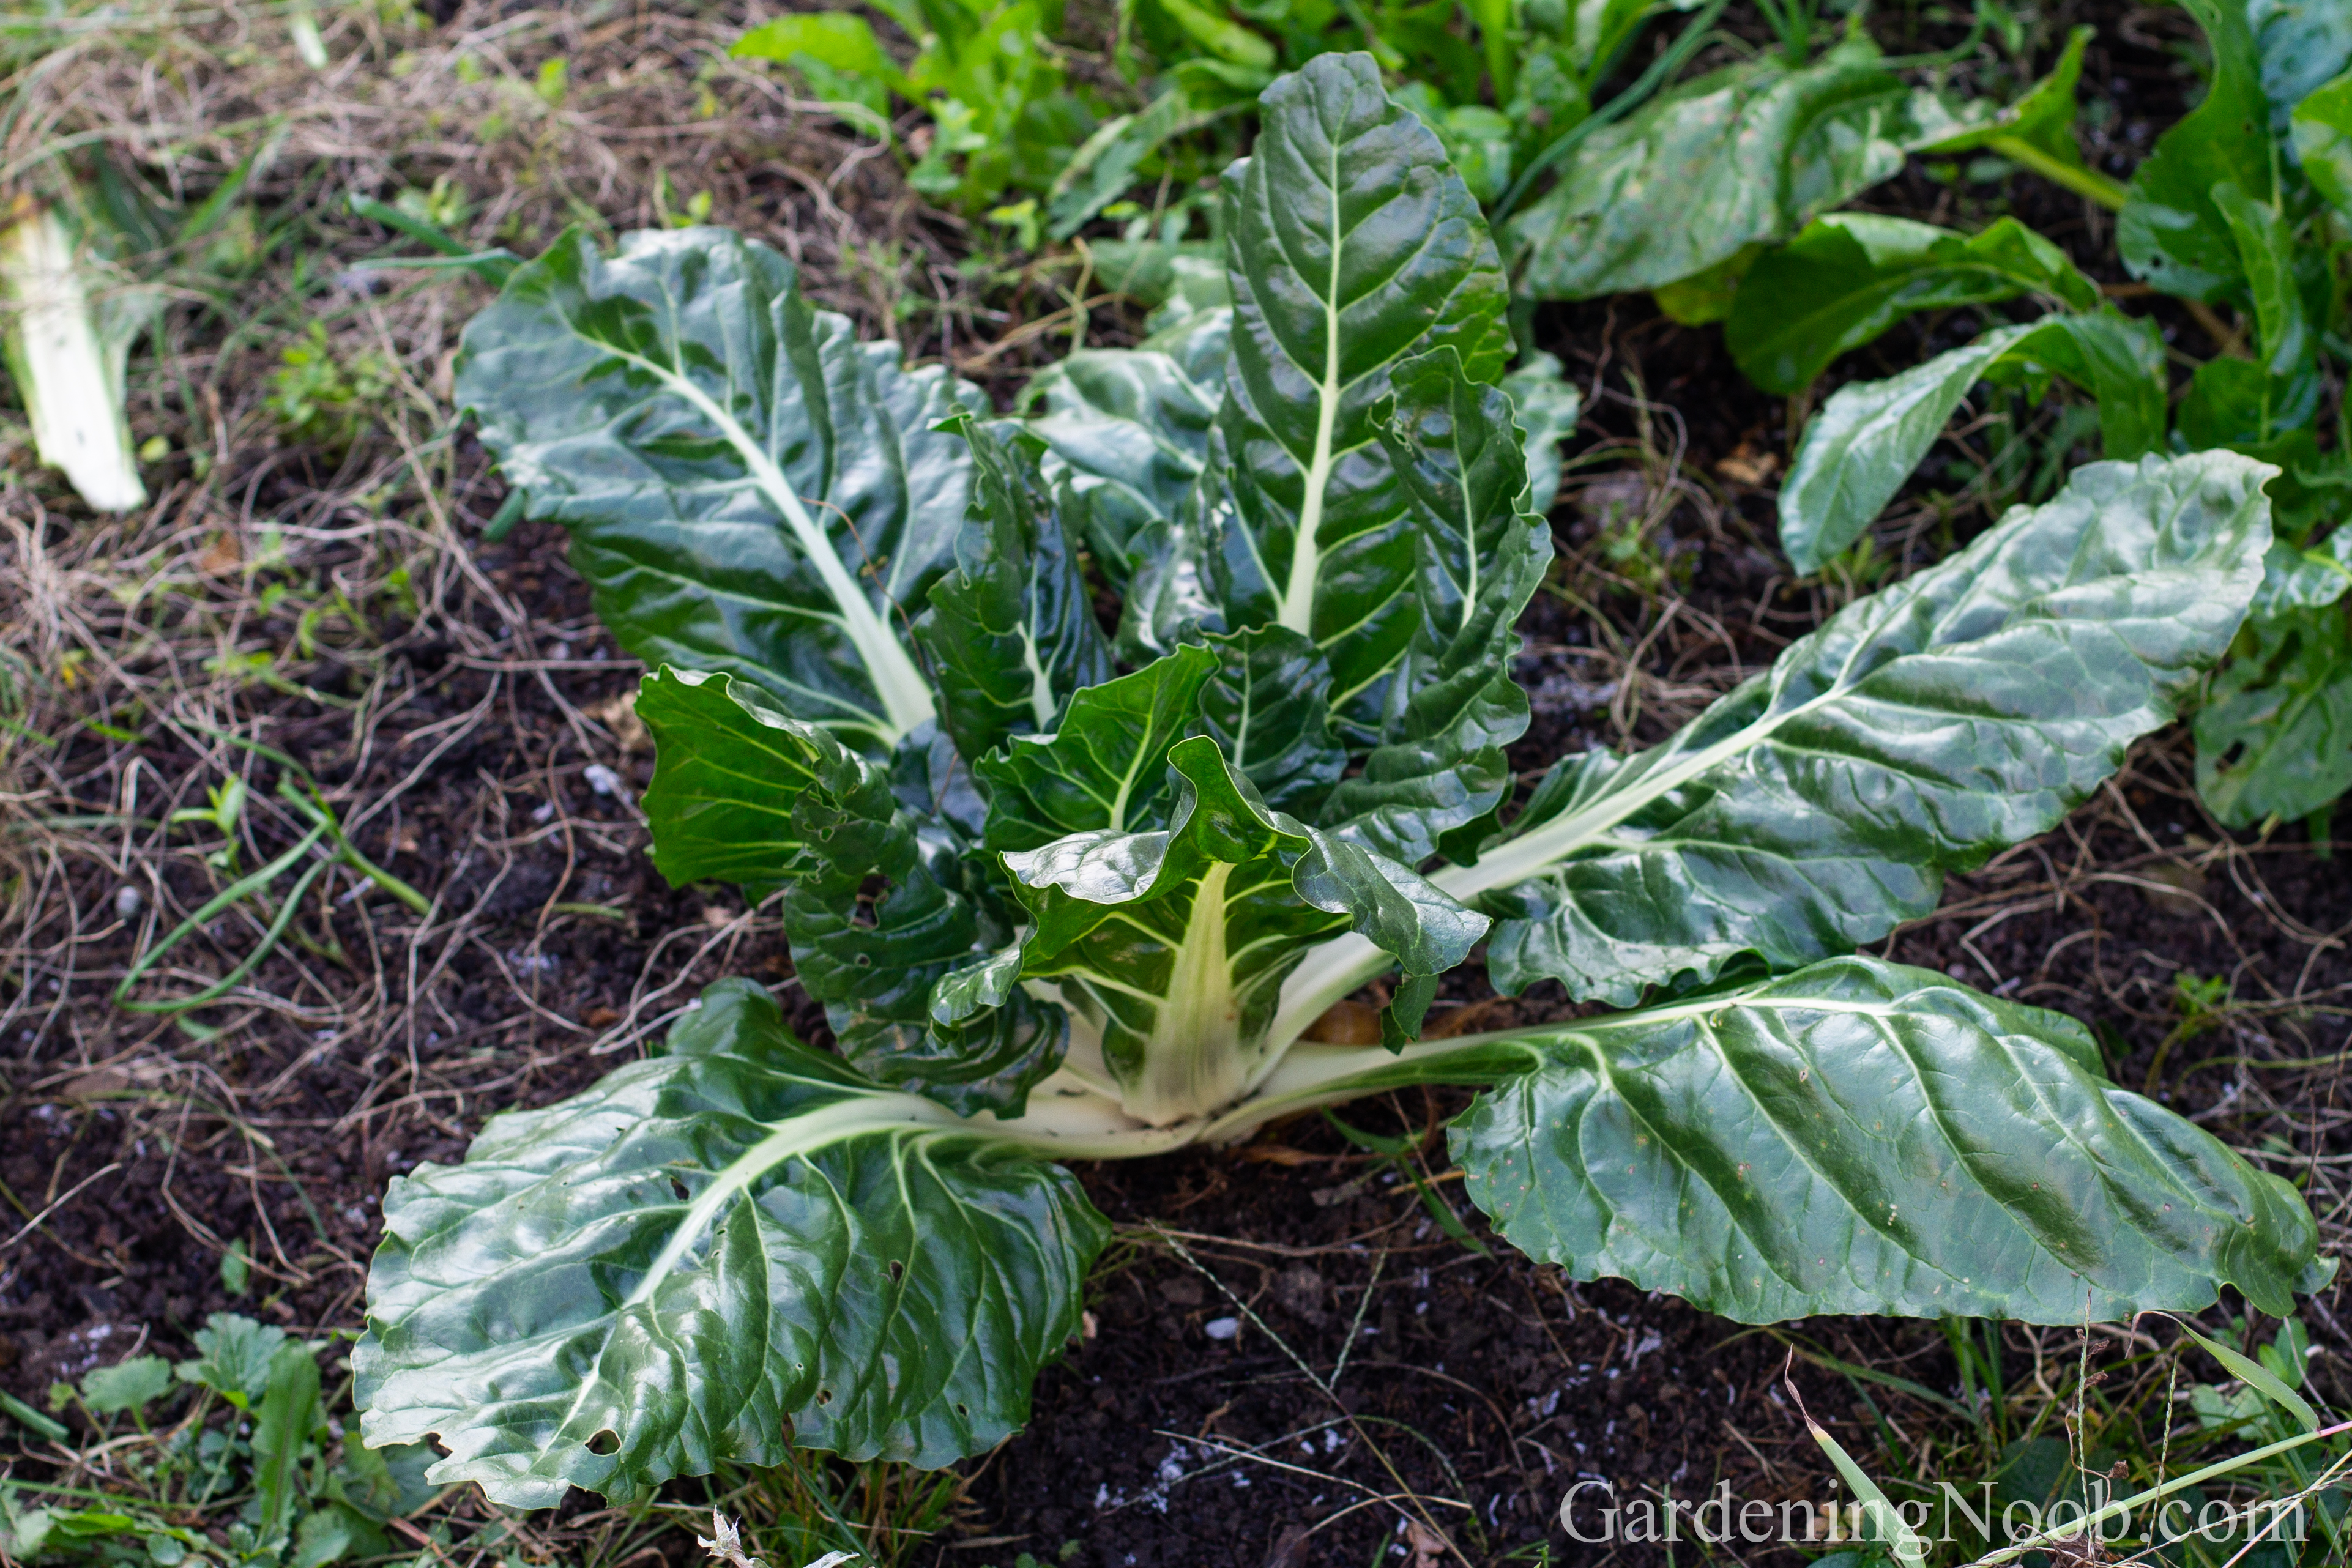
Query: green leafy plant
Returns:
{"type": "Point", "coordinates": [286, 1498]}
{"type": "Point", "coordinates": [1071, 893]}
{"type": "Point", "coordinates": [2243, 206]}
{"type": "Point", "coordinates": [1001, 117]}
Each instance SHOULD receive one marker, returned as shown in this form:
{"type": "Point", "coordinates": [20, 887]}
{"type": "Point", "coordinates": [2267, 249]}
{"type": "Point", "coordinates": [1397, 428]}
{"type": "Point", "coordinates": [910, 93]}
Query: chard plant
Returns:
{"type": "Point", "coordinates": [1074, 894]}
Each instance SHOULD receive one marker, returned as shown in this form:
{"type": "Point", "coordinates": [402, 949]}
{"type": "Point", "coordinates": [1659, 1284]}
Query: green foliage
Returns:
{"type": "Point", "coordinates": [268, 1487]}
{"type": "Point", "coordinates": [325, 398]}
{"type": "Point", "coordinates": [1065, 896]}
{"type": "Point", "coordinates": [1001, 118]}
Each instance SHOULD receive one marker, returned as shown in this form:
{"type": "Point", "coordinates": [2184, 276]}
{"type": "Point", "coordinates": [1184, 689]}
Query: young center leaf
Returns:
{"type": "Point", "coordinates": [1870, 435]}
{"type": "Point", "coordinates": [1353, 246]}
{"type": "Point", "coordinates": [2169, 232]}
{"type": "Point", "coordinates": [749, 488]}
{"type": "Point", "coordinates": [734, 1247]}
{"type": "Point", "coordinates": [1863, 1137]}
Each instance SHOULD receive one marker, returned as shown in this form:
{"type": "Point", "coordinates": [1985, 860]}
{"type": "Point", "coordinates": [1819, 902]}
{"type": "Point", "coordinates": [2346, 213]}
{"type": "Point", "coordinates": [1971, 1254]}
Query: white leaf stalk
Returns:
{"type": "Point", "coordinates": [68, 367]}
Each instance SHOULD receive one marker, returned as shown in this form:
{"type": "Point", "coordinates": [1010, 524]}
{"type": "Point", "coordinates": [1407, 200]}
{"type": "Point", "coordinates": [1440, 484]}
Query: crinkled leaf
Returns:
{"type": "Point", "coordinates": [1849, 277]}
{"type": "Point", "coordinates": [1181, 937]}
{"type": "Point", "coordinates": [878, 912]}
{"type": "Point", "coordinates": [1455, 446]}
{"type": "Point", "coordinates": [1745, 155]}
{"type": "Point", "coordinates": [1011, 631]}
{"type": "Point", "coordinates": [1105, 769]}
{"type": "Point", "coordinates": [1919, 731]}
{"type": "Point", "coordinates": [2275, 736]}
{"type": "Point", "coordinates": [749, 488]}
{"type": "Point", "coordinates": [2304, 579]}
{"type": "Point", "coordinates": [1862, 1137]}
{"type": "Point", "coordinates": [2169, 232]}
{"type": "Point", "coordinates": [1870, 435]}
{"type": "Point", "coordinates": [1130, 430]}
{"type": "Point", "coordinates": [714, 1255]}
{"type": "Point", "coordinates": [2321, 135]}
{"type": "Point", "coordinates": [1264, 706]}
{"type": "Point", "coordinates": [1352, 246]}
{"type": "Point", "coordinates": [727, 770]}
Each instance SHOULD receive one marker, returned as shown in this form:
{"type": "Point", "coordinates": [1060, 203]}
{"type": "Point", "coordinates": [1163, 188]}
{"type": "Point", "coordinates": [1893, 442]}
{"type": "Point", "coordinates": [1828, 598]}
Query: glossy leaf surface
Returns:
{"type": "Point", "coordinates": [1743, 156]}
{"type": "Point", "coordinates": [1352, 246]}
{"type": "Point", "coordinates": [748, 488]}
{"type": "Point", "coordinates": [1862, 1137]}
{"type": "Point", "coordinates": [1870, 435]}
{"type": "Point", "coordinates": [1919, 730]}
{"type": "Point", "coordinates": [711, 1255]}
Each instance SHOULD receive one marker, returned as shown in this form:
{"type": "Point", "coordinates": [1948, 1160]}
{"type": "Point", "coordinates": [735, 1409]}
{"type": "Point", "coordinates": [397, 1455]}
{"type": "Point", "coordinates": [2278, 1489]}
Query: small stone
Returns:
{"type": "Point", "coordinates": [127, 901]}
{"type": "Point", "coordinates": [1221, 1328]}
{"type": "Point", "coordinates": [602, 779]}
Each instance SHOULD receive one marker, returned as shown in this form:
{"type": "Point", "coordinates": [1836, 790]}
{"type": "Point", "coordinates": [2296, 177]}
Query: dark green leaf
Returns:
{"type": "Point", "coordinates": [1455, 446]}
{"type": "Point", "coordinates": [2170, 231]}
{"type": "Point", "coordinates": [1352, 245]}
{"type": "Point", "coordinates": [1106, 163]}
{"type": "Point", "coordinates": [1870, 435]}
{"type": "Point", "coordinates": [1745, 155]}
{"type": "Point", "coordinates": [749, 488]}
{"type": "Point", "coordinates": [713, 1255]}
{"type": "Point", "coordinates": [1919, 731]}
{"type": "Point", "coordinates": [2275, 736]}
{"type": "Point", "coordinates": [2289, 359]}
{"type": "Point", "coordinates": [1263, 707]}
{"type": "Point", "coordinates": [1010, 631]}
{"type": "Point", "coordinates": [1105, 769]}
{"type": "Point", "coordinates": [1172, 945]}
{"type": "Point", "coordinates": [727, 769]}
{"type": "Point", "coordinates": [1865, 1138]}
{"type": "Point", "coordinates": [1851, 275]}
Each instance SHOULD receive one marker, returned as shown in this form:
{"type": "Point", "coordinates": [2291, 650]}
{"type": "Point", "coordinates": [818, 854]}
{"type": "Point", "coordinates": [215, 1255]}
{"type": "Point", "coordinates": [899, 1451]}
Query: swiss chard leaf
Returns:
{"type": "Point", "coordinates": [1455, 706]}
{"type": "Point", "coordinates": [1265, 708]}
{"type": "Point", "coordinates": [1106, 769]}
{"type": "Point", "coordinates": [2043, 119]}
{"type": "Point", "coordinates": [1861, 1137]}
{"type": "Point", "coordinates": [715, 1254]}
{"type": "Point", "coordinates": [2275, 736]}
{"type": "Point", "coordinates": [2171, 232]}
{"type": "Point", "coordinates": [1011, 631]}
{"type": "Point", "coordinates": [1353, 246]}
{"type": "Point", "coordinates": [749, 488]}
{"type": "Point", "coordinates": [1870, 435]}
{"type": "Point", "coordinates": [1919, 731]}
{"type": "Point", "coordinates": [1849, 277]}
{"type": "Point", "coordinates": [1744, 156]}
{"type": "Point", "coordinates": [877, 903]}
{"type": "Point", "coordinates": [2299, 44]}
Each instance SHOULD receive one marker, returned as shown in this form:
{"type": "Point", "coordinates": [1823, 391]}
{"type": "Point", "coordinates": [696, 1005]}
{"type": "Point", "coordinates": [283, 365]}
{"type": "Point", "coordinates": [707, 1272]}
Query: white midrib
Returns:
{"type": "Point", "coordinates": [1298, 607]}
{"type": "Point", "coordinates": [1041, 686]}
{"type": "Point", "coordinates": [1329, 972]}
{"type": "Point", "coordinates": [906, 696]}
{"type": "Point", "coordinates": [1194, 1063]}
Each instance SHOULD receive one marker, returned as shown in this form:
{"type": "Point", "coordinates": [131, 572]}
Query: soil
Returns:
{"type": "Point", "coordinates": [135, 1152]}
